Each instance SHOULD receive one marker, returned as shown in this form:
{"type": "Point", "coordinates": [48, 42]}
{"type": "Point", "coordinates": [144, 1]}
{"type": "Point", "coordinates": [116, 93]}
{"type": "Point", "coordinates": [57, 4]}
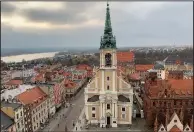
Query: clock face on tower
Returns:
{"type": "Point", "coordinates": [108, 60]}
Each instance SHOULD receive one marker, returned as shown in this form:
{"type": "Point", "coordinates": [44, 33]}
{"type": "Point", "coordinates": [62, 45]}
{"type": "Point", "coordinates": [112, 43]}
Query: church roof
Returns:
{"type": "Point", "coordinates": [93, 98]}
{"type": "Point", "coordinates": [122, 98]}
{"type": "Point", "coordinates": [108, 40]}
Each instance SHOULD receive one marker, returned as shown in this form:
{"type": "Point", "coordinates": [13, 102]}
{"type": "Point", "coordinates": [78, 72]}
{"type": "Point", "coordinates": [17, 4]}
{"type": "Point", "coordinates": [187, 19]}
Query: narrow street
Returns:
{"type": "Point", "coordinates": [71, 113]}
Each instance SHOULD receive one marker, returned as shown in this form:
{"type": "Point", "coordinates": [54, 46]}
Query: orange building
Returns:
{"type": "Point", "coordinates": [162, 95]}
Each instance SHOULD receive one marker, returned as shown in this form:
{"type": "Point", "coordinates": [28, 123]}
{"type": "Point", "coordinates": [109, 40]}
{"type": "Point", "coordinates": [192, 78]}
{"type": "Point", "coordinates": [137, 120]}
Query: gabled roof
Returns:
{"type": "Point", "coordinates": [125, 56]}
{"type": "Point", "coordinates": [122, 98]}
{"type": "Point", "coordinates": [31, 96]}
{"type": "Point", "coordinates": [161, 128]}
{"type": "Point", "coordinates": [93, 98]}
{"type": "Point", "coordinates": [6, 121]}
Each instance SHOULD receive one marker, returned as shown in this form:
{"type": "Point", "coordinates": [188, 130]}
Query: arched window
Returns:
{"type": "Point", "coordinates": [108, 61]}
{"type": "Point", "coordinates": [108, 87]}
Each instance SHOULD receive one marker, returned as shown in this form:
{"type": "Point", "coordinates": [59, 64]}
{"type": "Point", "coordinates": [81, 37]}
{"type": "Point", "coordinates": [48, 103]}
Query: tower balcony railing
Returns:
{"type": "Point", "coordinates": [91, 90]}
{"type": "Point", "coordinates": [124, 90]}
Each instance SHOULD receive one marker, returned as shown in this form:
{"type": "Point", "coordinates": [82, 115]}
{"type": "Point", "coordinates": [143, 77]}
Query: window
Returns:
{"type": "Point", "coordinates": [108, 106]}
{"type": "Point", "coordinates": [108, 78]}
{"type": "Point", "coordinates": [123, 116]}
{"type": "Point", "coordinates": [162, 129]}
{"type": "Point", "coordinates": [93, 108]}
{"type": "Point", "coordinates": [34, 127]}
{"type": "Point", "coordinates": [17, 116]}
{"type": "Point", "coordinates": [21, 113]}
{"type": "Point", "coordinates": [123, 108]}
{"type": "Point", "coordinates": [22, 122]}
{"type": "Point", "coordinates": [39, 114]}
{"type": "Point", "coordinates": [187, 129]}
{"type": "Point", "coordinates": [37, 124]}
{"type": "Point", "coordinates": [154, 104]}
{"type": "Point", "coordinates": [175, 121]}
{"type": "Point", "coordinates": [34, 119]}
{"type": "Point", "coordinates": [108, 87]}
{"type": "Point", "coordinates": [175, 102]}
{"type": "Point", "coordinates": [93, 115]}
{"type": "Point", "coordinates": [18, 125]}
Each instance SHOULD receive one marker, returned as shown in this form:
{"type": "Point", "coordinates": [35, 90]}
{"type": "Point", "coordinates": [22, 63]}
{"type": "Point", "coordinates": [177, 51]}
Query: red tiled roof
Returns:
{"type": "Point", "coordinates": [67, 74]}
{"type": "Point", "coordinates": [182, 86]}
{"type": "Point", "coordinates": [69, 84]}
{"type": "Point", "coordinates": [134, 76]}
{"type": "Point", "coordinates": [175, 129]}
{"type": "Point", "coordinates": [125, 56]}
{"type": "Point", "coordinates": [39, 77]}
{"type": "Point", "coordinates": [14, 82]}
{"type": "Point", "coordinates": [31, 96]}
{"type": "Point", "coordinates": [83, 67]}
{"type": "Point", "coordinates": [143, 67]}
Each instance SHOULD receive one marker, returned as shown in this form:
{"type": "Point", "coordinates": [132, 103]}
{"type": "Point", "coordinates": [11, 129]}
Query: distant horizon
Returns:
{"type": "Point", "coordinates": [20, 51]}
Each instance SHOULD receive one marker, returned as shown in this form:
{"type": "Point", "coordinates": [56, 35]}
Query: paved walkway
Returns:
{"type": "Point", "coordinates": [73, 114]}
{"type": "Point", "coordinates": [58, 117]}
{"type": "Point", "coordinates": [81, 122]}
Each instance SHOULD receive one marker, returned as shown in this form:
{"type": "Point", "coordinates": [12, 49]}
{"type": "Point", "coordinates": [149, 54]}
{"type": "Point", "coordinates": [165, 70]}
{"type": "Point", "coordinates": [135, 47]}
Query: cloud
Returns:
{"type": "Point", "coordinates": [70, 14]}
{"type": "Point", "coordinates": [7, 8]}
{"type": "Point", "coordinates": [73, 24]}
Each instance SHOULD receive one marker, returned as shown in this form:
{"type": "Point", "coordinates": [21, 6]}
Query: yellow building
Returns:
{"type": "Point", "coordinates": [108, 98]}
{"type": "Point", "coordinates": [14, 111]}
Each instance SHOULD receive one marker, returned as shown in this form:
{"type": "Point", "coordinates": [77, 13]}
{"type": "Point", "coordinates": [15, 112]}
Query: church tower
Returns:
{"type": "Point", "coordinates": [108, 58]}
{"type": "Point", "coordinates": [108, 98]}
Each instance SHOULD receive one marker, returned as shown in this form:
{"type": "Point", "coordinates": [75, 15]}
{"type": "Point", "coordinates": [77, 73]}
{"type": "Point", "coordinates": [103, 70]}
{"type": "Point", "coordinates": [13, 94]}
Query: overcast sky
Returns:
{"type": "Point", "coordinates": [80, 24]}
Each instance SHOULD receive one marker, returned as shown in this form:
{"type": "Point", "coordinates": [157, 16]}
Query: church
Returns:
{"type": "Point", "coordinates": [108, 97]}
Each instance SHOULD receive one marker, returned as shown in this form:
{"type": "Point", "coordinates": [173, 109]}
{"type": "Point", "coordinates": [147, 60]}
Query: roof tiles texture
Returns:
{"type": "Point", "coordinates": [31, 96]}
{"type": "Point", "coordinates": [125, 56]}
{"type": "Point", "coordinates": [143, 67]}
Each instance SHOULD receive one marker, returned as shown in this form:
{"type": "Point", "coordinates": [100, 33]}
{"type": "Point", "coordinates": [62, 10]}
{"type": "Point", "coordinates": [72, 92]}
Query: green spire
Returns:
{"type": "Point", "coordinates": [108, 40]}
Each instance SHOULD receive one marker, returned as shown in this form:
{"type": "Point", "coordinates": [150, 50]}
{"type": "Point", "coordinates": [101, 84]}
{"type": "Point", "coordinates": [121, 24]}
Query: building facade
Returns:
{"type": "Point", "coordinates": [108, 98]}
{"type": "Point", "coordinates": [15, 111]}
{"type": "Point", "coordinates": [35, 103]}
{"type": "Point", "coordinates": [49, 90]}
{"type": "Point", "coordinates": [160, 96]}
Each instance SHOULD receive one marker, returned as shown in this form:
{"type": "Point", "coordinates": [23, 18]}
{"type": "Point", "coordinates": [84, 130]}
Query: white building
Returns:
{"type": "Point", "coordinates": [23, 73]}
{"type": "Point", "coordinates": [159, 69]}
{"type": "Point", "coordinates": [108, 98]}
{"type": "Point", "coordinates": [9, 94]}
